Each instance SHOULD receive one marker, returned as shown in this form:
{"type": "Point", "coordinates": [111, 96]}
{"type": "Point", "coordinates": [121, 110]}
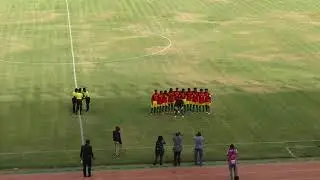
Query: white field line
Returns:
{"type": "Point", "coordinates": [165, 48]}
{"type": "Point", "coordinates": [168, 146]}
{"type": "Point", "coordinates": [74, 66]}
{"type": "Point", "coordinates": [290, 152]}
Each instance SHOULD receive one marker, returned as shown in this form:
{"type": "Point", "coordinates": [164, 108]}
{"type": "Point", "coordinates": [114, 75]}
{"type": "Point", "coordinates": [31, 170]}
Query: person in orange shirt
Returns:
{"type": "Point", "coordinates": [170, 100]}
{"type": "Point", "coordinates": [165, 101]}
{"type": "Point", "coordinates": [201, 101]}
{"type": "Point", "coordinates": [154, 101]}
{"type": "Point", "coordinates": [189, 99]}
{"type": "Point", "coordinates": [208, 100]}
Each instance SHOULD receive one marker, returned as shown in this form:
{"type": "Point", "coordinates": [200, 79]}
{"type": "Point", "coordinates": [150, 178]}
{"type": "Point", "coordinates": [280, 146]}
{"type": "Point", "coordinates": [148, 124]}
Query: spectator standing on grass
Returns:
{"type": "Point", "coordinates": [177, 148]}
{"type": "Point", "coordinates": [117, 142]}
{"type": "Point", "coordinates": [86, 156]}
{"type": "Point", "coordinates": [198, 149]}
{"type": "Point", "coordinates": [159, 150]}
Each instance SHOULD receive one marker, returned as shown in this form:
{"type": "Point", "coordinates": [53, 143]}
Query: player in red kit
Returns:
{"type": "Point", "coordinates": [154, 101]}
{"type": "Point", "coordinates": [195, 100]}
{"type": "Point", "coordinates": [176, 94]}
{"type": "Point", "coordinates": [165, 101]}
{"type": "Point", "coordinates": [189, 99]}
{"type": "Point", "coordinates": [207, 100]}
{"type": "Point", "coordinates": [170, 100]}
{"type": "Point", "coordinates": [160, 102]}
{"type": "Point", "coordinates": [183, 96]}
{"type": "Point", "coordinates": [201, 100]}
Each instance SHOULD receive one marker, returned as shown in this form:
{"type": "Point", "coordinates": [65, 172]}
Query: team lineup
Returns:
{"type": "Point", "coordinates": [180, 101]}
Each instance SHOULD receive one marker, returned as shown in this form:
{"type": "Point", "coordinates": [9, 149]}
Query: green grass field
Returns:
{"type": "Point", "coordinates": [261, 58]}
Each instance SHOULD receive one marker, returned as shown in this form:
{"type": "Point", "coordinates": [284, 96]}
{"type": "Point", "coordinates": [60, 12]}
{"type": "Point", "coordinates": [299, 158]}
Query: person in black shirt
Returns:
{"type": "Point", "coordinates": [86, 156]}
{"type": "Point", "coordinates": [117, 142]}
{"type": "Point", "coordinates": [159, 150]}
{"type": "Point", "coordinates": [179, 108]}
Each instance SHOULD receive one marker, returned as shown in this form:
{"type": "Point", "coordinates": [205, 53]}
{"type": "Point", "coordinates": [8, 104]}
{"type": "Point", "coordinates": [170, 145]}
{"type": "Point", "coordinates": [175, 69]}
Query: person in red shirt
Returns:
{"type": "Point", "coordinates": [154, 101]}
{"type": "Point", "coordinates": [195, 100]}
{"type": "Point", "coordinates": [171, 100]}
{"type": "Point", "coordinates": [165, 101]}
{"type": "Point", "coordinates": [207, 100]}
{"type": "Point", "coordinates": [201, 101]}
{"type": "Point", "coordinates": [160, 102]}
{"type": "Point", "coordinates": [176, 94]}
{"type": "Point", "coordinates": [183, 95]}
{"type": "Point", "coordinates": [189, 99]}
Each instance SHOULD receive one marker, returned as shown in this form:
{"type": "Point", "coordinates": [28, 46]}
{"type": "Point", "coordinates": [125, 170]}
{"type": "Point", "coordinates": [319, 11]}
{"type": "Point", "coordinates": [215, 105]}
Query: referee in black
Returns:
{"type": "Point", "coordinates": [86, 156]}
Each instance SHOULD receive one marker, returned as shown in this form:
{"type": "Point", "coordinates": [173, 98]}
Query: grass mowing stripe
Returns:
{"type": "Point", "coordinates": [74, 66]}
{"type": "Point", "coordinates": [187, 146]}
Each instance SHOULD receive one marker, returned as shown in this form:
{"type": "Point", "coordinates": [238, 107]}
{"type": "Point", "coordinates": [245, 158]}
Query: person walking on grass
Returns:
{"type": "Point", "coordinates": [159, 150]}
{"type": "Point", "coordinates": [177, 148]}
{"type": "Point", "coordinates": [232, 154]}
{"type": "Point", "coordinates": [117, 141]}
{"type": "Point", "coordinates": [86, 156]}
{"type": "Point", "coordinates": [198, 149]}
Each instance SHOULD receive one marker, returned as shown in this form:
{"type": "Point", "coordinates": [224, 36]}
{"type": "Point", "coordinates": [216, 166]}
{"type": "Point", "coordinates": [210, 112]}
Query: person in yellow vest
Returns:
{"type": "Point", "coordinates": [74, 100]}
{"type": "Point", "coordinates": [79, 97]}
{"type": "Point", "coordinates": [86, 96]}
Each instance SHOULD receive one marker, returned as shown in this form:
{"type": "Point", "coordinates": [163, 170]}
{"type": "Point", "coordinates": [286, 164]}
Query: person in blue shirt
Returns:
{"type": "Point", "coordinates": [198, 149]}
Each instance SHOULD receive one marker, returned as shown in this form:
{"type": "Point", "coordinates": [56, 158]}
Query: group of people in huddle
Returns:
{"type": "Point", "coordinates": [78, 95]}
{"type": "Point", "coordinates": [180, 101]}
{"type": "Point", "coordinates": [231, 154]}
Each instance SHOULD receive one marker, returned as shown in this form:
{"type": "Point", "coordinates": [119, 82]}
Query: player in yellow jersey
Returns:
{"type": "Point", "coordinates": [79, 97]}
{"type": "Point", "coordinates": [74, 100]}
{"type": "Point", "coordinates": [87, 98]}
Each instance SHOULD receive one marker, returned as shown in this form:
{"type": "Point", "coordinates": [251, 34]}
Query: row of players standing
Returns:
{"type": "Point", "coordinates": [78, 95]}
{"type": "Point", "coordinates": [194, 101]}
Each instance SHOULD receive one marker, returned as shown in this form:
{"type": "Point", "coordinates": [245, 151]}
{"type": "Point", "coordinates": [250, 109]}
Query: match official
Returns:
{"type": "Point", "coordinates": [79, 97]}
{"type": "Point", "coordinates": [87, 98]}
{"type": "Point", "coordinates": [86, 156]}
{"type": "Point", "coordinates": [74, 100]}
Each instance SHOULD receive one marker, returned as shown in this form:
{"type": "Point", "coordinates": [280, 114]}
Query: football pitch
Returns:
{"type": "Point", "coordinates": [261, 58]}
